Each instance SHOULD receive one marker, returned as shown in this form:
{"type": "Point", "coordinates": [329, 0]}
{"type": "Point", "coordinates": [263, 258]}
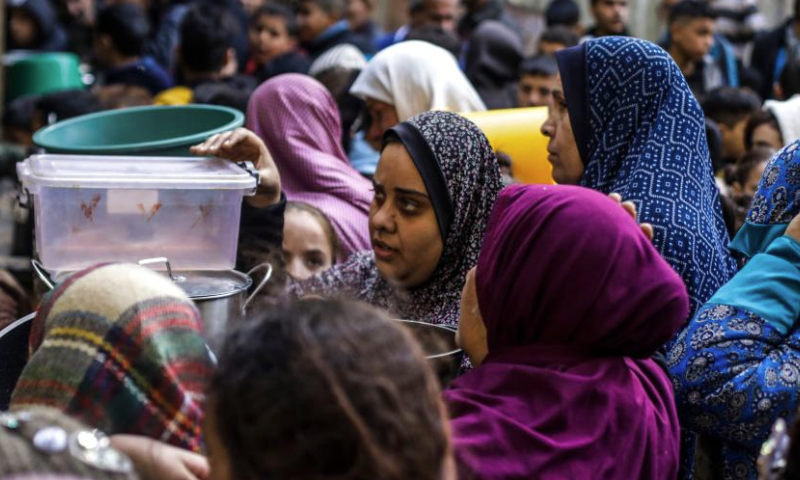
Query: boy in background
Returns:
{"type": "Point", "coordinates": [731, 108]}
{"type": "Point", "coordinates": [538, 78]}
{"type": "Point", "coordinates": [120, 35]}
{"type": "Point", "coordinates": [273, 43]}
{"type": "Point", "coordinates": [321, 26]}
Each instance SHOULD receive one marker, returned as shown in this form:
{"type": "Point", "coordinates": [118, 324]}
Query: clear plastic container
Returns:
{"type": "Point", "coordinates": [91, 209]}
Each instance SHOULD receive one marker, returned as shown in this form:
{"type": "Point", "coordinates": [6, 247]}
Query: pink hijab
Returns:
{"type": "Point", "coordinates": [298, 120]}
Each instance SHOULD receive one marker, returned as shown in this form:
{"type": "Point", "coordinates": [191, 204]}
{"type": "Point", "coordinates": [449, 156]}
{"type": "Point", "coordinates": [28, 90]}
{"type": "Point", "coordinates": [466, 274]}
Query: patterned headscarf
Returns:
{"type": "Point", "coordinates": [775, 203]}
{"type": "Point", "coordinates": [119, 347]}
{"type": "Point", "coordinates": [641, 133]}
{"type": "Point", "coordinates": [473, 181]}
{"type": "Point", "coordinates": [299, 121]}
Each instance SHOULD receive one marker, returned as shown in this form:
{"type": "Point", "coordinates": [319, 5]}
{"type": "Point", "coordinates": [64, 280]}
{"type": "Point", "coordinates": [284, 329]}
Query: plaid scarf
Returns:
{"type": "Point", "coordinates": [120, 348]}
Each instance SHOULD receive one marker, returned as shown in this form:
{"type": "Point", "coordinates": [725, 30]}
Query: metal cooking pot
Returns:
{"type": "Point", "coordinates": [438, 342]}
{"type": "Point", "coordinates": [220, 296]}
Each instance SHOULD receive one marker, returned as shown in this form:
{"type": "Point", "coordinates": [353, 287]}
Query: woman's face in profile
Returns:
{"type": "Point", "coordinates": [562, 151]}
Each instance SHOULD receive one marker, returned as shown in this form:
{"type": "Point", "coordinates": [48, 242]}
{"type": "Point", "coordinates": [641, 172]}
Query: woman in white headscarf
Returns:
{"type": "Point", "coordinates": [410, 78]}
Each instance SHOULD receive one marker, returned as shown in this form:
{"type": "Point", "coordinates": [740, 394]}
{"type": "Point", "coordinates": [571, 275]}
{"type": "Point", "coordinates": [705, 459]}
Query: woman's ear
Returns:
{"type": "Point", "coordinates": [737, 188]}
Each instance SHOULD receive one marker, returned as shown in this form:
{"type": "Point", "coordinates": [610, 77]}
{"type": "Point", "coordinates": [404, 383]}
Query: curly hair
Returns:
{"type": "Point", "coordinates": [322, 389]}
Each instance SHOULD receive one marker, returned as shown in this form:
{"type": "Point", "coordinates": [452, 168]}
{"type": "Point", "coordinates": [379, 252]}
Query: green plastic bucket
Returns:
{"type": "Point", "coordinates": [37, 73]}
{"type": "Point", "coordinates": [148, 131]}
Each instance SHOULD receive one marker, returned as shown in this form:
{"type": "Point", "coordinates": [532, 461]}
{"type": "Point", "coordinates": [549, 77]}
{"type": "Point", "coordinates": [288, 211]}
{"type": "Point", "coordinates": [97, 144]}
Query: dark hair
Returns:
{"type": "Point", "coordinates": [761, 117]}
{"type": "Point", "coordinates": [327, 226]}
{"type": "Point", "coordinates": [207, 33]}
{"type": "Point", "coordinates": [331, 7]}
{"type": "Point", "coordinates": [789, 78]}
{"type": "Point", "coordinates": [65, 104]}
{"type": "Point", "coordinates": [127, 25]}
{"type": "Point", "coordinates": [416, 6]}
{"type": "Point", "coordinates": [729, 105]}
{"type": "Point", "coordinates": [690, 9]}
{"type": "Point", "coordinates": [327, 389]}
{"type": "Point", "coordinates": [750, 160]}
{"type": "Point", "coordinates": [438, 36]}
{"type": "Point", "coordinates": [543, 65]}
{"type": "Point", "coordinates": [562, 12]}
{"type": "Point", "coordinates": [559, 34]}
{"type": "Point", "coordinates": [277, 10]}
{"type": "Point", "coordinates": [19, 113]}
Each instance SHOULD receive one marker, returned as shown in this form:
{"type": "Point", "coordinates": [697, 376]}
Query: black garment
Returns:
{"type": "Point", "coordinates": [494, 53]}
{"type": "Point", "coordinates": [765, 56]}
{"type": "Point", "coordinates": [366, 38]}
{"type": "Point", "coordinates": [261, 240]}
{"type": "Point", "coordinates": [51, 37]}
{"type": "Point", "coordinates": [317, 48]}
{"type": "Point", "coordinates": [592, 33]}
{"type": "Point", "coordinates": [145, 73]}
{"type": "Point", "coordinates": [231, 92]}
{"type": "Point", "coordinates": [292, 62]}
{"type": "Point", "coordinates": [491, 10]}
{"type": "Point", "coordinates": [161, 46]}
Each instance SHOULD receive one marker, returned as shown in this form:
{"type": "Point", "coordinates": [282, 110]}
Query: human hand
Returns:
{"type": "Point", "coordinates": [242, 145]}
{"type": "Point", "coordinates": [630, 207]}
{"type": "Point", "coordinates": [155, 460]}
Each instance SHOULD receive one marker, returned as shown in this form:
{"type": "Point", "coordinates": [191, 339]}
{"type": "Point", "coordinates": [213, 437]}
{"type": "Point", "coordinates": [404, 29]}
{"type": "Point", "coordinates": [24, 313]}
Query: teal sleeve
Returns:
{"type": "Point", "coordinates": [769, 285]}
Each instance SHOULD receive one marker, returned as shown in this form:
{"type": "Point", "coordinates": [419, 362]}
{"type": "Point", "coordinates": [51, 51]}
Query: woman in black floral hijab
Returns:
{"type": "Point", "coordinates": [435, 185]}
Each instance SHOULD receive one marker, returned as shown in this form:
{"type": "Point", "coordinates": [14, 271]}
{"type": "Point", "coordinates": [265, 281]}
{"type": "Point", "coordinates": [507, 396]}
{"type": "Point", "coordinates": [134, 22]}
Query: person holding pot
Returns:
{"type": "Point", "coordinates": [560, 318]}
{"type": "Point", "coordinates": [435, 184]}
{"type": "Point", "coordinates": [624, 120]}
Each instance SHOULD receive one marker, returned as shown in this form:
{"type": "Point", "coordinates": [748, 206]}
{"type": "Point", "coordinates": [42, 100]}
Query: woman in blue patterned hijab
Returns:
{"type": "Point", "coordinates": [626, 122]}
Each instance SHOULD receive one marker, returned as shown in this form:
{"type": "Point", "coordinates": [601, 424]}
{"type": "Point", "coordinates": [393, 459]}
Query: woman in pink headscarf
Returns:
{"type": "Point", "coordinates": [299, 122]}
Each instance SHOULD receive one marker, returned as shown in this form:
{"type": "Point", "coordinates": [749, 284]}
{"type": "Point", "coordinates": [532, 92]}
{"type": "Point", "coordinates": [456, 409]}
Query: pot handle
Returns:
{"type": "Point", "coordinates": [38, 268]}
{"type": "Point", "coordinates": [164, 260]}
{"type": "Point", "coordinates": [261, 284]}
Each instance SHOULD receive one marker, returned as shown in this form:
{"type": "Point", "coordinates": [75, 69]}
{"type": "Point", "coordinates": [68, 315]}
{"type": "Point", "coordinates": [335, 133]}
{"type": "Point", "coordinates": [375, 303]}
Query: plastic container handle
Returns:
{"type": "Point", "coordinates": [260, 285]}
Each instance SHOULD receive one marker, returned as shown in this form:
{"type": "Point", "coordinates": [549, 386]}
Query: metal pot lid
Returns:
{"type": "Point", "coordinates": [204, 285]}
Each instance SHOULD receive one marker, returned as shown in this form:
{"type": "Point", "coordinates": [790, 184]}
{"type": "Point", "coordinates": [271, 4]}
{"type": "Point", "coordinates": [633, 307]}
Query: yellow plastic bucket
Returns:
{"type": "Point", "coordinates": [516, 132]}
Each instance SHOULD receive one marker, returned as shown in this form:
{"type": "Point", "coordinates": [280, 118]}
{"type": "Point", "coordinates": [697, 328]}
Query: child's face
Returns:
{"type": "Point", "coordinates": [694, 38]}
{"type": "Point", "coordinates": [535, 90]}
{"type": "Point", "coordinates": [23, 28]}
{"type": "Point", "coordinates": [765, 135]}
{"type": "Point", "coordinates": [306, 246]}
{"type": "Point", "coordinates": [269, 38]}
{"type": "Point", "coordinates": [312, 20]}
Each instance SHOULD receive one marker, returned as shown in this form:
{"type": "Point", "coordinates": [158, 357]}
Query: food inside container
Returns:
{"type": "Point", "coordinates": [91, 209]}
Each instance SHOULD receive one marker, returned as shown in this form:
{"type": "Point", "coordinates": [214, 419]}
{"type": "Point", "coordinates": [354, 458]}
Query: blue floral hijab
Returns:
{"type": "Point", "coordinates": [775, 203]}
{"type": "Point", "coordinates": [640, 133]}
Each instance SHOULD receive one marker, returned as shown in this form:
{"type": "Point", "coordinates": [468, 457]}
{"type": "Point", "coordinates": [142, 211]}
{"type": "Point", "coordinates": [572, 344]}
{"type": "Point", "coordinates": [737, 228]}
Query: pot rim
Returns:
{"type": "Point", "coordinates": [441, 327]}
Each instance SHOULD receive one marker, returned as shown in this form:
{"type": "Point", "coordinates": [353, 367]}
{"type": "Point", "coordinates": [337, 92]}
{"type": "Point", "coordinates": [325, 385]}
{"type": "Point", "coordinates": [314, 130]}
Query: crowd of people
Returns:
{"type": "Point", "coordinates": [636, 319]}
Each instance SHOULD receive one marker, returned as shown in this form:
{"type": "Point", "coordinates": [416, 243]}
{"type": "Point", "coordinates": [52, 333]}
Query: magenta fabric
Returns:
{"type": "Point", "coordinates": [575, 301]}
{"type": "Point", "coordinates": [298, 120]}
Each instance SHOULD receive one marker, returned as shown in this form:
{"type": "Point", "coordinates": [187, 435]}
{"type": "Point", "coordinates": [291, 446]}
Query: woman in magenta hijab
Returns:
{"type": "Point", "coordinates": [568, 303]}
{"type": "Point", "coordinates": [299, 122]}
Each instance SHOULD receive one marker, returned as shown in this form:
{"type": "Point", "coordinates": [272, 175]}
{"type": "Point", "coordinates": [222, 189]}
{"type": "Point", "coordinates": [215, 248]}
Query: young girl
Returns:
{"type": "Point", "coordinates": [310, 244]}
